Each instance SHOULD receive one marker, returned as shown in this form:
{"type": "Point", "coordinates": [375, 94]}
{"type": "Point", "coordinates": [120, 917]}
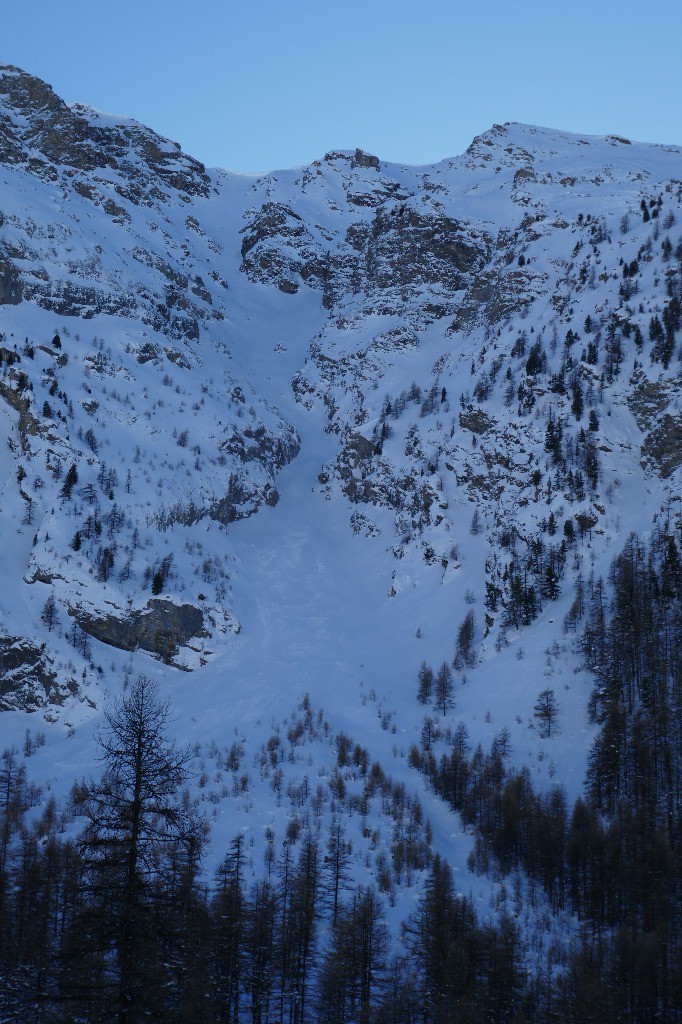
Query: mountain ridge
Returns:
{"type": "Point", "coordinates": [400, 244]}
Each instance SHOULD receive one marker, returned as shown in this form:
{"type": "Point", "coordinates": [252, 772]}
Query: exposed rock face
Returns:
{"type": "Point", "coordinates": [475, 420]}
{"type": "Point", "coordinates": [403, 247]}
{"type": "Point", "coordinates": [388, 258]}
{"type": "Point", "coordinates": [10, 284]}
{"type": "Point", "coordinates": [17, 400]}
{"type": "Point", "coordinates": [78, 138]}
{"type": "Point", "coordinates": [647, 400]}
{"type": "Point", "coordinates": [662, 447]}
{"type": "Point", "coordinates": [278, 248]}
{"type": "Point", "coordinates": [354, 465]}
{"type": "Point", "coordinates": [652, 402]}
{"type": "Point", "coordinates": [238, 503]}
{"type": "Point", "coordinates": [361, 159]}
{"type": "Point", "coordinates": [257, 445]}
{"type": "Point", "coordinates": [366, 478]}
{"type": "Point", "coordinates": [111, 167]}
{"type": "Point", "coordinates": [161, 628]}
{"type": "Point", "coordinates": [496, 295]}
{"type": "Point", "coordinates": [27, 679]}
{"type": "Point", "coordinates": [246, 490]}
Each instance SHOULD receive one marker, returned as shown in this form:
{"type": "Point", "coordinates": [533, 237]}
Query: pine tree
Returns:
{"type": "Point", "coordinates": [70, 480]}
{"type": "Point", "coordinates": [337, 863]}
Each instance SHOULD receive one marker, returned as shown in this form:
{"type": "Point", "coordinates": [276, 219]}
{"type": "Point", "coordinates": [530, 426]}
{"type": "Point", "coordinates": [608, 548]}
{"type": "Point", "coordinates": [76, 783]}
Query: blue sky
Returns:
{"type": "Point", "coordinates": [277, 83]}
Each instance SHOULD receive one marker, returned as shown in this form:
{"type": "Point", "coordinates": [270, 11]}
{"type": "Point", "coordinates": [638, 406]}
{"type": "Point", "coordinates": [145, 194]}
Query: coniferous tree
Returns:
{"type": "Point", "coordinates": [134, 822]}
{"type": "Point", "coordinates": [425, 683]}
{"type": "Point", "coordinates": [337, 864]}
{"type": "Point", "coordinates": [546, 712]}
{"type": "Point", "coordinates": [70, 480]}
{"type": "Point", "coordinates": [228, 914]}
{"type": "Point", "coordinates": [443, 688]}
{"type": "Point", "coordinates": [49, 613]}
{"type": "Point", "coordinates": [465, 640]}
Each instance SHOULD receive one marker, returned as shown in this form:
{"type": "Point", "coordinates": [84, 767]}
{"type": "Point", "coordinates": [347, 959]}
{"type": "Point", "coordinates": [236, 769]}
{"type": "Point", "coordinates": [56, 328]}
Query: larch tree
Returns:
{"type": "Point", "coordinates": [136, 826]}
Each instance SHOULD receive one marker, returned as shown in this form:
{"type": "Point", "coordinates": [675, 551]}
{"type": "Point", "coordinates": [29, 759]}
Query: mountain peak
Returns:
{"type": "Point", "coordinates": [26, 94]}
{"type": "Point", "coordinates": [47, 134]}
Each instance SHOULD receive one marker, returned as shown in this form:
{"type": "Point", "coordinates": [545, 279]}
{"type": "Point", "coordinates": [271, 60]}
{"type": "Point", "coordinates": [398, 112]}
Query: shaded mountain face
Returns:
{"type": "Point", "coordinates": [494, 338]}
{"type": "Point", "coordinates": [348, 460]}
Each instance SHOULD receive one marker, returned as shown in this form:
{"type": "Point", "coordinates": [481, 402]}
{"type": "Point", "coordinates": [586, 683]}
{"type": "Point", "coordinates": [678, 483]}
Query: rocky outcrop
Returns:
{"type": "Point", "coordinates": [28, 681]}
{"type": "Point", "coordinates": [76, 137]}
{"type": "Point", "coordinates": [408, 248]}
{"type": "Point", "coordinates": [362, 159]}
{"type": "Point", "coordinates": [662, 447]}
{"type": "Point", "coordinates": [476, 420]}
{"type": "Point", "coordinates": [648, 399]}
{"type": "Point", "coordinates": [256, 444]}
{"type": "Point", "coordinates": [27, 424]}
{"type": "Point", "coordinates": [161, 628]}
{"type": "Point", "coordinates": [496, 295]}
{"type": "Point", "coordinates": [277, 248]}
{"type": "Point", "coordinates": [399, 252]}
{"type": "Point", "coordinates": [239, 503]}
{"type": "Point", "coordinates": [10, 283]}
{"type": "Point", "coordinates": [242, 498]}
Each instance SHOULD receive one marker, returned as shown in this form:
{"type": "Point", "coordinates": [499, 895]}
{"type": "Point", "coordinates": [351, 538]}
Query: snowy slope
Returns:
{"type": "Point", "coordinates": [266, 506]}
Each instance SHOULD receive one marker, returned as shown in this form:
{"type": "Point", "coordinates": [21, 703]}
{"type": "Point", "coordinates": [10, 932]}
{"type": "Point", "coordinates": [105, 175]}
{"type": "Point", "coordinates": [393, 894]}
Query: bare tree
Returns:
{"type": "Point", "coordinates": [546, 712]}
{"type": "Point", "coordinates": [136, 826]}
{"type": "Point", "coordinates": [443, 689]}
{"type": "Point", "coordinates": [465, 641]}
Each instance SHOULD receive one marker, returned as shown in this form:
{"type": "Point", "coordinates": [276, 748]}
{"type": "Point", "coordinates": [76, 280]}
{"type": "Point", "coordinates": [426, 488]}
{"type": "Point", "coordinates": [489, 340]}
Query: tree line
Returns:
{"type": "Point", "coordinates": [614, 860]}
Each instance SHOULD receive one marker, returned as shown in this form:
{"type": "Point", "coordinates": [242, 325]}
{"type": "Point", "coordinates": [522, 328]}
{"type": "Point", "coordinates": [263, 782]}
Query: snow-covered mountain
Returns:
{"type": "Point", "coordinates": [275, 441]}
